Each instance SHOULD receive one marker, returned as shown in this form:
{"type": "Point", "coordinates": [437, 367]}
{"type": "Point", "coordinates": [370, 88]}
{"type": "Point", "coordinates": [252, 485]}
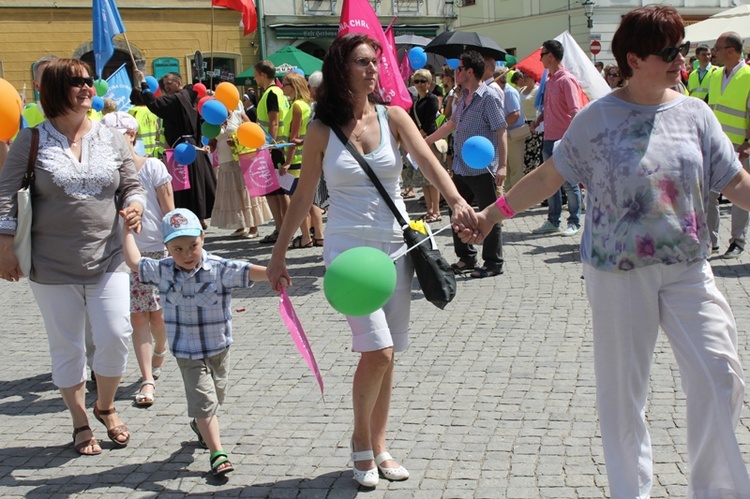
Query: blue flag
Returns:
{"type": "Point", "coordinates": [107, 24]}
{"type": "Point", "coordinates": [120, 88]}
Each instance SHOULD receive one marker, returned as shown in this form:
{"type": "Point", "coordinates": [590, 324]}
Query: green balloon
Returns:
{"type": "Point", "coordinates": [359, 281]}
{"type": "Point", "coordinates": [101, 87]}
{"type": "Point", "coordinates": [210, 131]}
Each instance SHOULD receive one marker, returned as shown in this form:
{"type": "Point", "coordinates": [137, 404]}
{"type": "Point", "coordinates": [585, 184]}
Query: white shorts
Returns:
{"type": "Point", "coordinates": [65, 308]}
{"type": "Point", "coordinates": [388, 326]}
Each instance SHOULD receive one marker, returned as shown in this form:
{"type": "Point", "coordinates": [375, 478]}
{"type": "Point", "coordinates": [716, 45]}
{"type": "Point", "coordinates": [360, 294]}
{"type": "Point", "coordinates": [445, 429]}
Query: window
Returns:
{"type": "Point", "coordinates": [322, 7]}
{"type": "Point", "coordinates": [408, 7]}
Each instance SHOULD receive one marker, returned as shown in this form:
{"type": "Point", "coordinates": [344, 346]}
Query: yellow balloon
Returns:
{"type": "Point", "coordinates": [227, 94]}
{"type": "Point", "coordinates": [251, 135]}
{"type": "Point", "coordinates": [11, 107]}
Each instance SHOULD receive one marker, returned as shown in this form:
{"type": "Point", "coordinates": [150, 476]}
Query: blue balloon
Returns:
{"type": "Point", "coordinates": [298, 70]}
{"type": "Point", "coordinates": [153, 84]}
{"type": "Point", "coordinates": [214, 112]}
{"type": "Point", "coordinates": [184, 154]}
{"type": "Point", "coordinates": [417, 57]}
{"type": "Point", "coordinates": [453, 63]}
{"type": "Point", "coordinates": [478, 152]}
{"type": "Point", "coordinates": [97, 103]}
{"type": "Point", "coordinates": [205, 140]}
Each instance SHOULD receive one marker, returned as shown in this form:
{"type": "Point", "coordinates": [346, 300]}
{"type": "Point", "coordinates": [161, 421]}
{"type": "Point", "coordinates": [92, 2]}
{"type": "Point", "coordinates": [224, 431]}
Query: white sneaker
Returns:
{"type": "Point", "coordinates": [547, 228]}
{"type": "Point", "coordinates": [572, 230]}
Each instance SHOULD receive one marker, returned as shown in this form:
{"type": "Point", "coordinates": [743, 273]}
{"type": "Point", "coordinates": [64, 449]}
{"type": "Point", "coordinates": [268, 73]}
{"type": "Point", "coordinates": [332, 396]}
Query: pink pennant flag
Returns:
{"type": "Point", "coordinates": [357, 16]}
{"type": "Point", "coordinates": [289, 316]}
{"type": "Point", "coordinates": [406, 70]}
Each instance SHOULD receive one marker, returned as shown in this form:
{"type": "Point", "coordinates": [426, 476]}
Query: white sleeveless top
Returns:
{"type": "Point", "coordinates": [356, 207]}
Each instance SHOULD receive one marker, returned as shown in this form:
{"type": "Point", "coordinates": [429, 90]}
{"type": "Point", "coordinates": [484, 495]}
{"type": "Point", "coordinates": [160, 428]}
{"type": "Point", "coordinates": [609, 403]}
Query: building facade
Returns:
{"type": "Point", "coordinates": [520, 26]}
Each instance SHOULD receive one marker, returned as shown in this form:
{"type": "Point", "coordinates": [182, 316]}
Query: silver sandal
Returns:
{"type": "Point", "coordinates": [145, 399]}
{"type": "Point", "coordinates": [156, 371]}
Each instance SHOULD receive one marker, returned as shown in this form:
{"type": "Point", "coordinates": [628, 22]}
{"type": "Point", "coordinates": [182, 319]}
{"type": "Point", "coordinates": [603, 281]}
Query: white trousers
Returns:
{"type": "Point", "coordinates": [65, 308]}
{"type": "Point", "coordinates": [627, 310]}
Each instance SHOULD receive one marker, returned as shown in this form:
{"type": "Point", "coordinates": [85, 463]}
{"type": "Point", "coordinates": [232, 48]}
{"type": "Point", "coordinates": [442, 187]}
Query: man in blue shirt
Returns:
{"type": "Point", "coordinates": [479, 111]}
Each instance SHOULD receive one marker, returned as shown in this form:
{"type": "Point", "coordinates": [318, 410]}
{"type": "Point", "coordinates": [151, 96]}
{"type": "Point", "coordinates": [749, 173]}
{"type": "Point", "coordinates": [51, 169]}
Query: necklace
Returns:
{"type": "Point", "coordinates": [358, 135]}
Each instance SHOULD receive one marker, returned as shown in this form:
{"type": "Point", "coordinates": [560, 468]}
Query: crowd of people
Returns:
{"type": "Point", "coordinates": [653, 181]}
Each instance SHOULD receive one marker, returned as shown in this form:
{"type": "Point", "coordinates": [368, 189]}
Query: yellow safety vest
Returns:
{"type": "Point", "coordinates": [305, 108]}
{"type": "Point", "coordinates": [698, 87]}
{"type": "Point", "coordinates": [730, 106]}
{"type": "Point", "coordinates": [263, 119]}
{"type": "Point", "coordinates": [149, 130]}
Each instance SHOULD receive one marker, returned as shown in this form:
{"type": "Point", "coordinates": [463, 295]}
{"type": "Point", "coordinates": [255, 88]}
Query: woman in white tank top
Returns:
{"type": "Point", "coordinates": [358, 216]}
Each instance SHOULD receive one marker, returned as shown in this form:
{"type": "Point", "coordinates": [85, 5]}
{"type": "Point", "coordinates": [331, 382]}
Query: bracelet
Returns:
{"type": "Point", "coordinates": [504, 208]}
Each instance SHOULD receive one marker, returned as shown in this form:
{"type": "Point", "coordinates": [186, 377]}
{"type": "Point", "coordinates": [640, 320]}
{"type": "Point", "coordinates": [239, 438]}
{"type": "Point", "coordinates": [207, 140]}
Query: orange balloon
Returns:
{"type": "Point", "coordinates": [11, 107]}
{"type": "Point", "coordinates": [251, 135]}
{"type": "Point", "coordinates": [227, 94]}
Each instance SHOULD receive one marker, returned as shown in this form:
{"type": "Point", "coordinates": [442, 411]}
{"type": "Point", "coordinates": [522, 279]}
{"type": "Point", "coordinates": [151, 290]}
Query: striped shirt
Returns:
{"type": "Point", "coordinates": [482, 116]}
{"type": "Point", "coordinates": [197, 304]}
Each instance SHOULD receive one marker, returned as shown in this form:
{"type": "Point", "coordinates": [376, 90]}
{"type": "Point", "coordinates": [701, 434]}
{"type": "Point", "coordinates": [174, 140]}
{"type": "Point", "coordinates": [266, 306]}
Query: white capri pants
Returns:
{"type": "Point", "coordinates": [627, 310]}
{"type": "Point", "coordinates": [387, 326]}
{"type": "Point", "coordinates": [65, 308]}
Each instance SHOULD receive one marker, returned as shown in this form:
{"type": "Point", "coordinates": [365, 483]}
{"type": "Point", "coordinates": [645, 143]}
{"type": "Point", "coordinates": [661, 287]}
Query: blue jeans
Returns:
{"type": "Point", "coordinates": [573, 192]}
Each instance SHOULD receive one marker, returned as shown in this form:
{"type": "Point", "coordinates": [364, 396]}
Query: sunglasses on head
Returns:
{"type": "Point", "coordinates": [80, 81]}
{"type": "Point", "coordinates": [417, 82]}
{"type": "Point", "coordinates": [669, 54]}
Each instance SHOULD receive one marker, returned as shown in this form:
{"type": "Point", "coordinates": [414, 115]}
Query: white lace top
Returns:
{"type": "Point", "coordinates": [74, 235]}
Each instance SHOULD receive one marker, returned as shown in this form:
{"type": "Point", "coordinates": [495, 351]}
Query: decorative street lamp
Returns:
{"type": "Point", "coordinates": [588, 9]}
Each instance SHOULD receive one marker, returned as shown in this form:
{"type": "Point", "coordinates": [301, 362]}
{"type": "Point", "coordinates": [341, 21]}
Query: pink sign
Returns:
{"type": "Point", "coordinates": [259, 173]}
{"type": "Point", "coordinates": [179, 173]}
{"type": "Point", "coordinates": [289, 316]}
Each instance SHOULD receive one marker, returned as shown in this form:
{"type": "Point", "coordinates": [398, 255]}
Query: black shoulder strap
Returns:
{"type": "Point", "coordinates": [28, 177]}
{"type": "Point", "coordinates": [375, 180]}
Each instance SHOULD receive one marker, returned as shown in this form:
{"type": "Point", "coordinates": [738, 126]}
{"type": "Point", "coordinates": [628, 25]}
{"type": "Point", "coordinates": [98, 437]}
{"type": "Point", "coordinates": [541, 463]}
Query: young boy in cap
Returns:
{"type": "Point", "coordinates": [196, 289]}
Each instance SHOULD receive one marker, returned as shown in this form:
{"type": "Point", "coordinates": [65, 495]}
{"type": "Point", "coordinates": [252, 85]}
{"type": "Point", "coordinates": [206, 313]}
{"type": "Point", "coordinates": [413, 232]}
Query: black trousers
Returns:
{"type": "Point", "coordinates": [482, 189]}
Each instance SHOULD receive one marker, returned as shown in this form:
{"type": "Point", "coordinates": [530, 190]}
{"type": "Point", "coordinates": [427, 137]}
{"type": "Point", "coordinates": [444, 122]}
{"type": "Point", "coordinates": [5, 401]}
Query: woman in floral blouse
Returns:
{"type": "Point", "coordinates": [649, 157]}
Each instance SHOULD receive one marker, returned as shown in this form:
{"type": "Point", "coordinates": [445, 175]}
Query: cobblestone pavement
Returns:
{"type": "Point", "coordinates": [493, 399]}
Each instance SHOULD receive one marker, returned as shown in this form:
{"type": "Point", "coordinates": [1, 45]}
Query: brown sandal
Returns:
{"type": "Point", "coordinates": [114, 432]}
{"type": "Point", "coordinates": [318, 242]}
{"type": "Point", "coordinates": [91, 442]}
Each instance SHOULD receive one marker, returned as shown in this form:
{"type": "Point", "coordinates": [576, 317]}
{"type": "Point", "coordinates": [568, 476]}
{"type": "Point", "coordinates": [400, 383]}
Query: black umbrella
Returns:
{"type": "Point", "coordinates": [452, 44]}
{"type": "Point", "coordinates": [413, 40]}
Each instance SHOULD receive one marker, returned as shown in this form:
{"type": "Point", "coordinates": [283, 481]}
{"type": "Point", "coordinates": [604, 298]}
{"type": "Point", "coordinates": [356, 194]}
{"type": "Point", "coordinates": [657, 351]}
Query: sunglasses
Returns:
{"type": "Point", "coordinates": [542, 54]}
{"type": "Point", "coordinates": [364, 62]}
{"type": "Point", "coordinates": [417, 82]}
{"type": "Point", "coordinates": [669, 54]}
{"type": "Point", "coordinates": [80, 81]}
{"type": "Point", "coordinates": [616, 75]}
{"type": "Point", "coordinates": [460, 68]}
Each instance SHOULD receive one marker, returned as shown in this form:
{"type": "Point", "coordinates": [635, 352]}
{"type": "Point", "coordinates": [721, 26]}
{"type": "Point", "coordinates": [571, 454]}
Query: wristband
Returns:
{"type": "Point", "coordinates": [504, 208]}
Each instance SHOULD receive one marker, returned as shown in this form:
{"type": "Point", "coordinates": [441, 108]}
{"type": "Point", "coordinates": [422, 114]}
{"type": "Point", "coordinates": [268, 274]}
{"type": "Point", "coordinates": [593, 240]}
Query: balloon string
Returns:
{"type": "Point", "coordinates": [422, 241]}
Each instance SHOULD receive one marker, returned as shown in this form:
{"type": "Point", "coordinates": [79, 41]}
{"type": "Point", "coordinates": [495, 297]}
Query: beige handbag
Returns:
{"type": "Point", "coordinates": [22, 239]}
{"type": "Point", "coordinates": [520, 133]}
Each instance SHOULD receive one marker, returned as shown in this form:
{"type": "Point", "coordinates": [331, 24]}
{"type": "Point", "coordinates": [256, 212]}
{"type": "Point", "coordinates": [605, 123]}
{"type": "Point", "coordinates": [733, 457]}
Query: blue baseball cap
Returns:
{"type": "Point", "coordinates": [178, 223]}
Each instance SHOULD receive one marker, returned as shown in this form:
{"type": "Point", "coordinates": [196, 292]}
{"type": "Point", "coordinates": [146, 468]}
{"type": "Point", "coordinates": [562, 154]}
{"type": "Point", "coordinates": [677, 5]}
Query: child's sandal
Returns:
{"type": "Point", "coordinates": [194, 427]}
{"type": "Point", "coordinates": [156, 371]}
{"type": "Point", "coordinates": [220, 464]}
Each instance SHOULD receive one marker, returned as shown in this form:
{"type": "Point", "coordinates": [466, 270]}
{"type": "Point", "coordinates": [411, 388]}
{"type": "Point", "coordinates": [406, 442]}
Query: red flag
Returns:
{"type": "Point", "coordinates": [246, 7]}
{"type": "Point", "coordinates": [531, 65]}
{"type": "Point", "coordinates": [357, 16]}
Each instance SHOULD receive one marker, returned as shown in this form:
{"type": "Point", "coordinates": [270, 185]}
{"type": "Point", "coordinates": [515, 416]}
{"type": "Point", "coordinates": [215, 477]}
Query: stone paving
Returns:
{"type": "Point", "coordinates": [493, 399]}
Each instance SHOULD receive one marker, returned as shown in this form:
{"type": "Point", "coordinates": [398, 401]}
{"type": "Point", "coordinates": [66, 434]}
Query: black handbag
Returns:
{"type": "Point", "coordinates": [434, 273]}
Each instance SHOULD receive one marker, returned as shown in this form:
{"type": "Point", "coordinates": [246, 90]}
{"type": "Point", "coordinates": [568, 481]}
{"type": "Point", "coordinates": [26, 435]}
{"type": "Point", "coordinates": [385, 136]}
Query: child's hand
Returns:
{"type": "Point", "coordinates": [131, 216]}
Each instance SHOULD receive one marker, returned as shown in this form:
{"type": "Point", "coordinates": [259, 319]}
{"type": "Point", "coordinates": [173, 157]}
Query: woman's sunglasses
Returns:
{"type": "Point", "coordinates": [417, 82]}
{"type": "Point", "coordinates": [669, 54]}
{"type": "Point", "coordinates": [80, 81]}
